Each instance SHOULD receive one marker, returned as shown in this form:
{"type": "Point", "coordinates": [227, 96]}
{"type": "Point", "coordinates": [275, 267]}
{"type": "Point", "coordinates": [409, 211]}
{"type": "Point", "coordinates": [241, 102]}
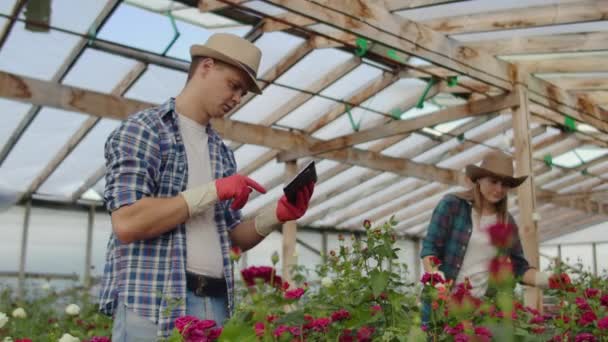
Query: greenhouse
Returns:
{"type": "Point", "coordinates": [401, 104]}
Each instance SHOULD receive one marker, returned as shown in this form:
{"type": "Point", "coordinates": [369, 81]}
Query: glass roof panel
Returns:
{"type": "Point", "coordinates": [6, 6]}
{"type": "Point", "coordinates": [75, 15]}
{"type": "Point", "coordinates": [40, 142]}
{"type": "Point", "coordinates": [157, 85]}
{"type": "Point", "coordinates": [153, 31]}
{"type": "Point", "coordinates": [261, 106]}
{"type": "Point", "coordinates": [248, 153]}
{"type": "Point", "coordinates": [193, 34]}
{"type": "Point", "coordinates": [275, 46]}
{"type": "Point", "coordinates": [87, 157]}
{"type": "Point", "coordinates": [85, 72]}
{"type": "Point", "coordinates": [314, 66]}
{"type": "Point", "coordinates": [21, 53]}
{"type": "Point", "coordinates": [13, 112]}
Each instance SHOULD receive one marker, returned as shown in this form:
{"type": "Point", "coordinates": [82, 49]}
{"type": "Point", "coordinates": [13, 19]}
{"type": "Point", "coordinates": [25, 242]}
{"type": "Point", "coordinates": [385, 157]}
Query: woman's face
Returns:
{"type": "Point", "coordinates": [492, 189]}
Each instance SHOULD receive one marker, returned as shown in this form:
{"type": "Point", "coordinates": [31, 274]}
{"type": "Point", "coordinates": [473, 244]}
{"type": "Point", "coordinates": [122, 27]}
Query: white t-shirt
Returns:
{"type": "Point", "coordinates": [203, 247]}
{"type": "Point", "coordinates": [478, 255]}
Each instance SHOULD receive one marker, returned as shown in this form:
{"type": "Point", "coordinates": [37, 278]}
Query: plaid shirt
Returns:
{"type": "Point", "coordinates": [449, 232]}
{"type": "Point", "coordinates": [145, 157]}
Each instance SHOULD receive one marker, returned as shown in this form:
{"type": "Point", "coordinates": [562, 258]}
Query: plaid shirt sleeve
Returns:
{"type": "Point", "coordinates": [437, 232]}
{"type": "Point", "coordinates": [520, 264]}
{"type": "Point", "coordinates": [132, 162]}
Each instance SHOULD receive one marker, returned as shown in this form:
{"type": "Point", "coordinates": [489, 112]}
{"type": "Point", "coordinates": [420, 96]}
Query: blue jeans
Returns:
{"type": "Point", "coordinates": [128, 326]}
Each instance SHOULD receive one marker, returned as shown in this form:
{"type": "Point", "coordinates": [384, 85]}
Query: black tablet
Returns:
{"type": "Point", "coordinates": [304, 177]}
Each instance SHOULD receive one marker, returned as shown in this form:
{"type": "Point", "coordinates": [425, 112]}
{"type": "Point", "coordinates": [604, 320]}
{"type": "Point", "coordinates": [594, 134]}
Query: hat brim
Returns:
{"type": "Point", "coordinates": [475, 172]}
{"type": "Point", "coordinates": [201, 50]}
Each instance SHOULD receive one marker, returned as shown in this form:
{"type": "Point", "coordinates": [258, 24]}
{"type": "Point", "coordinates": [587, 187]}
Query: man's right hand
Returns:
{"type": "Point", "coordinates": [236, 187]}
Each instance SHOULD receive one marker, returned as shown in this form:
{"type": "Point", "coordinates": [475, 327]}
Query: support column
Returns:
{"type": "Point", "coordinates": [594, 258]}
{"type": "Point", "coordinates": [324, 246]}
{"type": "Point", "coordinates": [528, 229]}
{"type": "Point", "coordinates": [26, 227]}
{"type": "Point", "coordinates": [289, 230]}
{"type": "Point", "coordinates": [87, 260]}
{"type": "Point", "coordinates": [417, 261]}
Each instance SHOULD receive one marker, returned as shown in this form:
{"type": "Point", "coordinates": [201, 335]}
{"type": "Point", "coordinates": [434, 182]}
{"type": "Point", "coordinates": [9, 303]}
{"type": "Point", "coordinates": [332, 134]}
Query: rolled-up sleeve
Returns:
{"type": "Point", "coordinates": [436, 234]}
{"type": "Point", "coordinates": [132, 156]}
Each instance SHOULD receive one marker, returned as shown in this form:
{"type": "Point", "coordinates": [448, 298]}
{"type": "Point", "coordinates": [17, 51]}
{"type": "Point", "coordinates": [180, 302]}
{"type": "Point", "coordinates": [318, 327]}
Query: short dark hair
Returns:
{"type": "Point", "coordinates": [196, 60]}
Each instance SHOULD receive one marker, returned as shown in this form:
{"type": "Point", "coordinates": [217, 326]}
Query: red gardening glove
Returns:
{"type": "Point", "coordinates": [289, 212]}
{"type": "Point", "coordinates": [236, 187]}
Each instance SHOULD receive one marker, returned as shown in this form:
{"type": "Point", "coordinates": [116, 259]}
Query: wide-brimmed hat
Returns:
{"type": "Point", "coordinates": [233, 50]}
{"type": "Point", "coordinates": [498, 165]}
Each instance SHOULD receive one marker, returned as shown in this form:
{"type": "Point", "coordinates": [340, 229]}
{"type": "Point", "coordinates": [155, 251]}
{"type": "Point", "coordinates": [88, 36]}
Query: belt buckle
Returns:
{"type": "Point", "coordinates": [200, 289]}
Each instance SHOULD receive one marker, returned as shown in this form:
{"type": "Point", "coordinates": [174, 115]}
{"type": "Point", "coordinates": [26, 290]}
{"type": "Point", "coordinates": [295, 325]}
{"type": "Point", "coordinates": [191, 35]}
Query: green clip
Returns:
{"type": "Point", "coordinates": [176, 32]}
{"type": "Point", "coordinates": [393, 55]}
{"type": "Point", "coordinates": [92, 35]}
{"type": "Point", "coordinates": [570, 124]}
{"type": "Point", "coordinates": [584, 172]}
{"type": "Point", "coordinates": [452, 81]}
{"type": "Point", "coordinates": [354, 125]}
{"type": "Point", "coordinates": [396, 113]}
{"type": "Point", "coordinates": [460, 137]}
{"type": "Point", "coordinates": [432, 82]}
{"type": "Point", "coordinates": [362, 47]}
{"type": "Point", "coordinates": [548, 160]}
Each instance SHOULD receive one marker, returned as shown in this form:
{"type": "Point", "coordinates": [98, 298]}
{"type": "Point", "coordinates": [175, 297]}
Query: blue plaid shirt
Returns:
{"type": "Point", "coordinates": [449, 233]}
{"type": "Point", "coordinates": [145, 157]}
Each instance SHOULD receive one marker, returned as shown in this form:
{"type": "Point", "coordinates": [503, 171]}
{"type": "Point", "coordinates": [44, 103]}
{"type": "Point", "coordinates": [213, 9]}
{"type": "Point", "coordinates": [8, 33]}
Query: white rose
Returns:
{"type": "Point", "coordinates": [46, 286]}
{"type": "Point", "coordinates": [19, 313]}
{"type": "Point", "coordinates": [326, 281]}
{"type": "Point", "coordinates": [68, 338]}
{"type": "Point", "coordinates": [72, 310]}
{"type": "Point", "coordinates": [3, 319]}
{"type": "Point", "coordinates": [8, 339]}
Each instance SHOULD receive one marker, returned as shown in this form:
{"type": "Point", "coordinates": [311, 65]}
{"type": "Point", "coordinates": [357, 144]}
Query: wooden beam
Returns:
{"type": "Point", "coordinates": [57, 76]}
{"type": "Point", "coordinates": [290, 230]}
{"type": "Point", "coordinates": [88, 183]}
{"type": "Point", "coordinates": [528, 229]}
{"type": "Point", "coordinates": [375, 23]}
{"type": "Point", "coordinates": [473, 108]}
{"type": "Point", "coordinates": [8, 27]}
{"type": "Point", "coordinates": [215, 5]}
{"type": "Point", "coordinates": [554, 14]}
{"type": "Point", "coordinates": [573, 82]}
{"type": "Point", "coordinates": [402, 5]}
{"type": "Point", "coordinates": [46, 93]}
{"type": "Point", "coordinates": [566, 64]}
{"type": "Point", "coordinates": [599, 96]}
{"type": "Point", "coordinates": [357, 210]}
{"type": "Point", "coordinates": [567, 42]}
{"type": "Point", "coordinates": [82, 131]}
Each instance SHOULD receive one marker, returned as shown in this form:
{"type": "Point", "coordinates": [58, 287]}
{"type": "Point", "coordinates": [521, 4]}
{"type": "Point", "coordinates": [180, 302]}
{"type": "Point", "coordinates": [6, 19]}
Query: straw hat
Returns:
{"type": "Point", "coordinates": [233, 50]}
{"type": "Point", "coordinates": [498, 165]}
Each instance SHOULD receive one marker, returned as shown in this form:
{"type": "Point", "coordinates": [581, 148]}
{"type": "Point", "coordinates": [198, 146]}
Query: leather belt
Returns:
{"type": "Point", "coordinates": [204, 286]}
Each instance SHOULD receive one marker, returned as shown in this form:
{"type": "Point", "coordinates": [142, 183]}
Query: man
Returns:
{"type": "Point", "coordinates": [174, 199]}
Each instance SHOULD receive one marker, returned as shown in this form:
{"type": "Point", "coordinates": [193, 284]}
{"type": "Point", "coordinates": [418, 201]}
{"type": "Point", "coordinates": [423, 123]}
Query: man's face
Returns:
{"type": "Point", "coordinates": [227, 86]}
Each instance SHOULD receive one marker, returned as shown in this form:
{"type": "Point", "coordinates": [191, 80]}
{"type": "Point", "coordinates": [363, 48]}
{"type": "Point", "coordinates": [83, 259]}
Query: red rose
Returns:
{"type": "Point", "coordinates": [501, 269]}
{"type": "Point", "coordinates": [294, 294]}
{"type": "Point", "coordinates": [501, 235]}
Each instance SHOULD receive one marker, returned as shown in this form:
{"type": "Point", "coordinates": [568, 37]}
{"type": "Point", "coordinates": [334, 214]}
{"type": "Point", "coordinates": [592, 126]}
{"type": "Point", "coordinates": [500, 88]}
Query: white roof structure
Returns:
{"type": "Point", "coordinates": [317, 88]}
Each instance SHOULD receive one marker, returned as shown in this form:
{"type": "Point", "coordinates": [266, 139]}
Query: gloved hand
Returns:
{"type": "Point", "coordinates": [271, 218]}
{"type": "Point", "coordinates": [236, 187]}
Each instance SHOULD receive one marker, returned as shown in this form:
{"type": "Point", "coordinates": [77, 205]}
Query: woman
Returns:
{"type": "Point", "coordinates": [457, 235]}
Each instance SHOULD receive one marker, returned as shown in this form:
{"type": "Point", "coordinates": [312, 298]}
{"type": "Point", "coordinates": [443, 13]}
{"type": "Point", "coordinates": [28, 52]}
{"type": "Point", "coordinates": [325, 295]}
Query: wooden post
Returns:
{"type": "Point", "coordinates": [87, 260]}
{"type": "Point", "coordinates": [289, 230]}
{"type": "Point", "coordinates": [417, 261]}
{"type": "Point", "coordinates": [594, 258]}
{"type": "Point", "coordinates": [528, 229]}
{"type": "Point", "coordinates": [26, 227]}
{"type": "Point", "coordinates": [324, 246]}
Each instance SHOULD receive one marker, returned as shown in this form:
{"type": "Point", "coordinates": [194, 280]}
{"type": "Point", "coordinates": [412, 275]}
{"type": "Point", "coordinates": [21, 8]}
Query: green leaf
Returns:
{"type": "Point", "coordinates": [379, 282]}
